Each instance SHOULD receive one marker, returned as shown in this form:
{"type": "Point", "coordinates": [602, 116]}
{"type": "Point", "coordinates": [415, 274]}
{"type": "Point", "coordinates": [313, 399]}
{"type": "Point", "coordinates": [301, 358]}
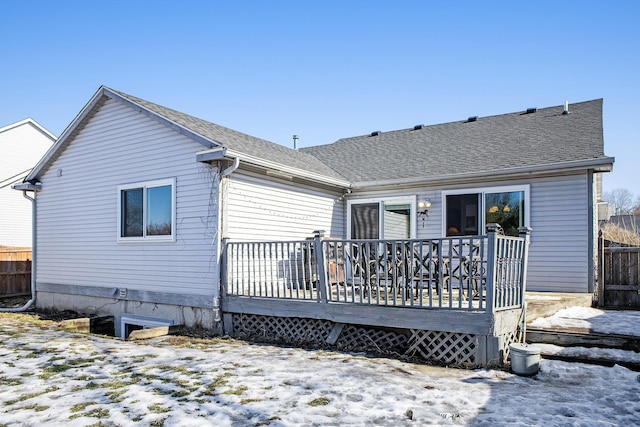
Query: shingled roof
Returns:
{"type": "Point", "coordinates": [544, 137]}
{"type": "Point", "coordinates": [238, 141]}
{"type": "Point", "coordinates": [496, 145]}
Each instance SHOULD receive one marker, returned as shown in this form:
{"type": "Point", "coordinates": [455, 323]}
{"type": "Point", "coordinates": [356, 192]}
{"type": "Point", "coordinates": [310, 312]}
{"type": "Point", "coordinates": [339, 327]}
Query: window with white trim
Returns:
{"type": "Point", "coordinates": [466, 212]}
{"type": "Point", "coordinates": [146, 211]}
{"type": "Point", "coordinates": [381, 219]}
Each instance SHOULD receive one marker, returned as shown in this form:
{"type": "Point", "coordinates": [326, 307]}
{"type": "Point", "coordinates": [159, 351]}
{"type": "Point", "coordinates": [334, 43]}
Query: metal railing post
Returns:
{"type": "Point", "coordinates": [318, 251]}
{"type": "Point", "coordinates": [492, 252]}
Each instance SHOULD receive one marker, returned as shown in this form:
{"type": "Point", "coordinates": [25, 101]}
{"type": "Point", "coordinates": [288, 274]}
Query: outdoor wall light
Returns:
{"type": "Point", "coordinates": [423, 206]}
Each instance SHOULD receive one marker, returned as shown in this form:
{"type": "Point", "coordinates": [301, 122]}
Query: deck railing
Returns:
{"type": "Point", "coordinates": [486, 273]}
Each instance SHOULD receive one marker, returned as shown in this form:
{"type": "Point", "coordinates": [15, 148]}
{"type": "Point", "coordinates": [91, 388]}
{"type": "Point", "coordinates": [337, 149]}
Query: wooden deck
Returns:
{"type": "Point", "coordinates": [453, 300]}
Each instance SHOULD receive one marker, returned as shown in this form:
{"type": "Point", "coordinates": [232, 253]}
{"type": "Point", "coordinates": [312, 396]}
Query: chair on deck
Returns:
{"type": "Point", "coordinates": [466, 268]}
{"type": "Point", "coordinates": [429, 268]}
{"type": "Point", "coordinates": [360, 267]}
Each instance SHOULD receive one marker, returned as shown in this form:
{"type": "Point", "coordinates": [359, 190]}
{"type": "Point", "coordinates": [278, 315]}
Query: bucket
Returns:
{"type": "Point", "coordinates": [525, 359]}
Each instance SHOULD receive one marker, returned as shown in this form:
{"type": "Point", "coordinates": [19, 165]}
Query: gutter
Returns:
{"type": "Point", "coordinates": [603, 164]}
{"type": "Point", "coordinates": [218, 153]}
{"type": "Point", "coordinates": [34, 255]}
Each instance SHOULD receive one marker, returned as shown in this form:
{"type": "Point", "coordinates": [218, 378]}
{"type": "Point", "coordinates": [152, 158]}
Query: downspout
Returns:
{"type": "Point", "coordinates": [33, 259]}
{"type": "Point", "coordinates": [232, 168]}
{"type": "Point", "coordinates": [217, 309]}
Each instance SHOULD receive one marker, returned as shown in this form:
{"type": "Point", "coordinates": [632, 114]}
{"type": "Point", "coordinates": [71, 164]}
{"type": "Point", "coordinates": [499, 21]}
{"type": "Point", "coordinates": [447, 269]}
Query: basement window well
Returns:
{"type": "Point", "coordinates": [132, 322]}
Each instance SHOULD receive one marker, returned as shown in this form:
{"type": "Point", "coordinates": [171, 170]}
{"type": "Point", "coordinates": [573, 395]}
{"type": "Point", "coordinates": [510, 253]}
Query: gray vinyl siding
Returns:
{"type": "Point", "coordinates": [559, 251]}
{"type": "Point", "coordinates": [268, 210]}
{"type": "Point", "coordinates": [77, 211]}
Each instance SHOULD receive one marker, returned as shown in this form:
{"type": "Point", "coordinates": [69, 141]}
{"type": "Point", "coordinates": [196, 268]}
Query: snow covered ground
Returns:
{"type": "Point", "coordinates": [623, 322]}
{"type": "Point", "coordinates": [52, 377]}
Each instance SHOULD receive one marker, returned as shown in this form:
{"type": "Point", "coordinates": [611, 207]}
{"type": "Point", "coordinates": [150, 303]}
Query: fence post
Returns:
{"type": "Point", "coordinates": [601, 269]}
{"type": "Point", "coordinates": [318, 250]}
{"type": "Point", "coordinates": [492, 251]}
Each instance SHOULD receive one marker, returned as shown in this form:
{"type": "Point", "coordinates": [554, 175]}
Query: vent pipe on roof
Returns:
{"type": "Point", "coordinates": [566, 108]}
{"type": "Point", "coordinates": [295, 142]}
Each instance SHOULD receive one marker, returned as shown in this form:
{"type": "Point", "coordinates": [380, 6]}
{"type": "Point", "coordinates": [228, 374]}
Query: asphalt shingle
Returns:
{"type": "Point", "coordinates": [238, 141]}
{"type": "Point", "coordinates": [490, 144]}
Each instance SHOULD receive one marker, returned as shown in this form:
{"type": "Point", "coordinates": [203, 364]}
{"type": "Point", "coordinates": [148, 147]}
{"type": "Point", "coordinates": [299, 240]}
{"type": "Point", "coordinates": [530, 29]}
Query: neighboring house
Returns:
{"type": "Point", "coordinates": [134, 199]}
{"type": "Point", "coordinates": [22, 144]}
{"type": "Point", "coordinates": [630, 222]}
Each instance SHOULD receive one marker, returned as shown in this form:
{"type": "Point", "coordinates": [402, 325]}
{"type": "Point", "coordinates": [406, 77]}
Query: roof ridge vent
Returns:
{"type": "Point", "coordinates": [472, 119]}
{"type": "Point", "coordinates": [375, 133]}
{"type": "Point", "coordinates": [531, 110]}
{"type": "Point", "coordinates": [418, 127]}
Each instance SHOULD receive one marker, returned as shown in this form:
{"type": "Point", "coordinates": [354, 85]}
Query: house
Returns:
{"type": "Point", "coordinates": [135, 200]}
{"type": "Point", "coordinates": [630, 222]}
{"type": "Point", "coordinates": [22, 144]}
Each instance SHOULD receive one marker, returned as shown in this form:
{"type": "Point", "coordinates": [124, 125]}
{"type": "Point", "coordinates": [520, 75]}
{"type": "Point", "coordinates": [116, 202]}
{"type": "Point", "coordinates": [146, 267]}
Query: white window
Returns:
{"type": "Point", "coordinates": [466, 212]}
{"type": "Point", "coordinates": [146, 211]}
{"type": "Point", "coordinates": [381, 219]}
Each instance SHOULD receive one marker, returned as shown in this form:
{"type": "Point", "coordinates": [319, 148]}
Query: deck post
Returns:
{"type": "Point", "coordinates": [227, 322]}
{"type": "Point", "coordinates": [525, 233]}
{"type": "Point", "coordinates": [492, 252]}
{"type": "Point", "coordinates": [318, 236]}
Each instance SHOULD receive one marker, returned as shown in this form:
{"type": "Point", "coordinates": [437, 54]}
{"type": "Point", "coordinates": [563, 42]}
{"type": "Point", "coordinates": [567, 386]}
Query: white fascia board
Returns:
{"type": "Point", "coordinates": [213, 155]}
{"type": "Point", "coordinates": [105, 91]}
{"type": "Point", "coordinates": [44, 161]}
{"type": "Point", "coordinates": [226, 154]}
{"type": "Point", "coordinates": [209, 143]}
{"type": "Point", "coordinates": [603, 164]}
{"type": "Point", "coordinates": [35, 124]}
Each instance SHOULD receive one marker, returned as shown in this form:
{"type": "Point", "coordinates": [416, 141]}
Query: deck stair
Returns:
{"type": "Point", "coordinates": [543, 304]}
{"type": "Point", "coordinates": [575, 337]}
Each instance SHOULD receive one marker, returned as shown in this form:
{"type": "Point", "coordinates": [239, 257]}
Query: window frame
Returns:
{"type": "Point", "coordinates": [145, 185]}
{"type": "Point", "coordinates": [482, 191]}
{"type": "Point", "coordinates": [411, 201]}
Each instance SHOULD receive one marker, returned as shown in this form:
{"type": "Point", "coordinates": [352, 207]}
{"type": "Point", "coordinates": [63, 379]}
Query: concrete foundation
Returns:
{"type": "Point", "coordinates": [99, 306]}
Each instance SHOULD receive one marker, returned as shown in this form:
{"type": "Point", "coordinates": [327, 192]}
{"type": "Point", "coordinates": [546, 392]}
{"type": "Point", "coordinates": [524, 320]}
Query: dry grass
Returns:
{"type": "Point", "coordinates": [621, 235]}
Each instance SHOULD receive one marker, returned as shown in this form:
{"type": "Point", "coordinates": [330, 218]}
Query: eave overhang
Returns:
{"type": "Point", "coordinates": [601, 164]}
{"type": "Point", "coordinates": [27, 186]}
{"type": "Point", "coordinates": [270, 168]}
{"type": "Point", "coordinates": [86, 112]}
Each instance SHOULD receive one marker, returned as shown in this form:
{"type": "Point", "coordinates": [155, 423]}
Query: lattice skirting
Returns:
{"type": "Point", "coordinates": [292, 330]}
{"type": "Point", "coordinates": [445, 347]}
{"type": "Point", "coordinates": [448, 348]}
{"type": "Point", "coordinates": [368, 338]}
{"type": "Point", "coordinates": [515, 336]}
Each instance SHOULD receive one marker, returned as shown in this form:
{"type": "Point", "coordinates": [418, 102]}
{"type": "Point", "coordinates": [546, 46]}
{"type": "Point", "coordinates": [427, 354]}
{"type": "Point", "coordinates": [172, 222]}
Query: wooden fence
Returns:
{"type": "Point", "coordinates": [618, 276]}
{"type": "Point", "coordinates": [15, 271]}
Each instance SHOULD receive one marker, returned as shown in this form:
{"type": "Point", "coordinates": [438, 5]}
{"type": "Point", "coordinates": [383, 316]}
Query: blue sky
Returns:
{"type": "Point", "coordinates": [328, 69]}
